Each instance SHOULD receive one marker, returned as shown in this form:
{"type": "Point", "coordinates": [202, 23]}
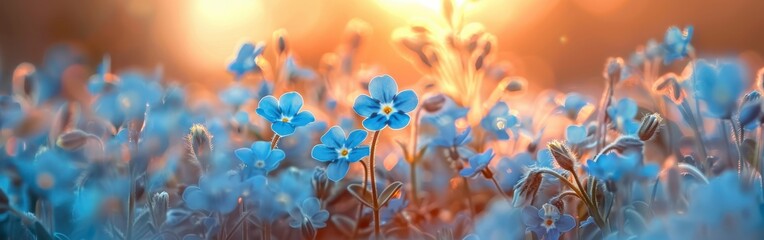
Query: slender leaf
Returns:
{"type": "Point", "coordinates": [389, 191]}
{"type": "Point", "coordinates": [363, 195]}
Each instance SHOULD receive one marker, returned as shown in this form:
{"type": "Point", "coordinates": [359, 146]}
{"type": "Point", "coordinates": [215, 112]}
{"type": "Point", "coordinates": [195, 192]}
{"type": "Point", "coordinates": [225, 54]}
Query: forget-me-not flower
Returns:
{"type": "Point", "coordinates": [244, 61]}
{"type": "Point", "coordinates": [216, 193]}
{"type": "Point", "coordinates": [499, 120]}
{"type": "Point", "coordinates": [260, 158]}
{"type": "Point", "coordinates": [309, 212]}
{"type": "Point", "coordinates": [386, 106]}
{"type": "Point", "coordinates": [284, 113]}
{"type": "Point", "coordinates": [719, 86]}
{"type": "Point", "coordinates": [613, 167]}
{"type": "Point", "coordinates": [340, 151]}
{"type": "Point", "coordinates": [478, 163]}
{"type": "Point", "coordinates": [547, 223]}
{"type": "Point", "coordinates": [623, 114]}
{"type": "Point", "coordinates": [676, 43]}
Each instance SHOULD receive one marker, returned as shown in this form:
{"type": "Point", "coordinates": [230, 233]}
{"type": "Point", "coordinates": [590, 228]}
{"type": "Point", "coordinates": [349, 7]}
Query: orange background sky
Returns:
{"type": "Point", "coordinates": [194, 39]}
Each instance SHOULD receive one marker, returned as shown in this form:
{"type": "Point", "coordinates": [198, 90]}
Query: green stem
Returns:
{"type": "Point", "coordinates": [498, 188]}
{"type": "Point", "coordinates": [375, 203]}
{"type": "Point", "coordinates": [130, 204]}
{"type": "Point", "coordinates": [592, 210]}
{"type": "Point", "coordinates": [469, 197]}
{"type": "Point", "coordinates": [360, 206]}
{"type": "Point", "coordinates": [414, 155]}
{"type": "Point", "coordinates": [275, 141]}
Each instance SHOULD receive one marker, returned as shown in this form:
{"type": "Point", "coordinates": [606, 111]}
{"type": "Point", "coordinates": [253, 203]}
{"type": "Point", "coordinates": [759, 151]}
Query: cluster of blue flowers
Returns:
{"type": "Point", "coordinates": [126, 156]}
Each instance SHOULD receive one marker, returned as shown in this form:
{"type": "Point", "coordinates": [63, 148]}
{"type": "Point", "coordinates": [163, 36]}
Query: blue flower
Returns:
{"type": "Point", "coordinates": [98, 81]}
{"type": "Point", "coordinates": [450, 138]}
{"type": "Point", "coordinates": [575, 134]}
{"type": "Point", "coordinates": [216, 193]}
{"type": "Point", "coordinates": [499, 120]}
{"type": "Point", "coordinates": [340, 151]}
{"type": "Point", "coordinates": [244, 61]}
{"type": "Point", "coordinates": [573, 104]}
{"type": "Point", "coordinates": [510, 170]}
{"type": "Point", "coordinates": [614, 167]}
{"type": "Point", "coordinates": [295, 72]}
{"type": "Point", "coordinates": [284, 113]}
{"type": "Point", "coordinates": [623, 114]}
{"type": "Point", "coordinates": [478, 163]}
{"type": "Point", "coordinates": [309, 212]}
{"type": "Point", "coordinates": [51, 175]}
{"type": "Point", "coordinates": [260, 158]}
{"type": "Point", "coordinates": [235, 95]}
{"type": "Point", "coordinates": [719, 86]}
{"type": "Point", "coordinates": [393, 208]}
{"type": "Point", "coordinates": [547, 223]}
{"type": "Point", "coordinates": [676, 44]}
{"type": "Point", "coordinates": [11, 113]}
{"type": "Point", "coordinates": [386, 106]}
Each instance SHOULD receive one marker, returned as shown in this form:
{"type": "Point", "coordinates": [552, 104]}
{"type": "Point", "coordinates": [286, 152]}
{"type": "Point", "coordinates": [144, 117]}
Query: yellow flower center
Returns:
{"type": "Point", "coordinates": [285, 119]}
{"type": "Point", "coordinates": [344, 152]}
{"type": "Point", "coordinates": [387, 109]}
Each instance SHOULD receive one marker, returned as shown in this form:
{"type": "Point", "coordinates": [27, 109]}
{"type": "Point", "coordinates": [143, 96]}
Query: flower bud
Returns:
{"type": "Point", "coordinates": [320, 183]}
{"type": "Point", "coordinates": [73, 140]}
{"type": "Point", "coordinates": [160, 203]}
{"type": "Point", "coordinates": [526, 188]}
{"type": "Point", "coordinates": [562, 154]}
{"type": "Point", "coordinates": [434, 103]}
{"type": "Point", "coordinates": [613, 68]}
{"type": "Point", "coordinates": [649, 126]}
{"type": "Point", "coordinates": [200, 144]}
{"type": "Point", "coordinates": [516, 85]}
{"type": "Point", "coordinates": [279, 36]}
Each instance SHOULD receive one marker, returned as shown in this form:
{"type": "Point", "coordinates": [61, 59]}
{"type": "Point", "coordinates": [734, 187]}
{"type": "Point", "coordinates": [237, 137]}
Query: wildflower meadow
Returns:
{"type": "Point", "coordinates": [670, 149]}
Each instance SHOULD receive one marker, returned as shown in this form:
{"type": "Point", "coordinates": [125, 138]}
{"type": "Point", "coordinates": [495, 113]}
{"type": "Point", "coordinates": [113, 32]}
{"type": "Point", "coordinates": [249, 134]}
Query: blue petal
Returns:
{"type": "Point", "coordinates": [565, 223]}
{"type": "Point", "coordinates": [383, 88]}
{"type": "Point", "coordinates": [355, 137]}
{"type": "Point", "coordinates": [194, 198]}
{"type": "Point", "coordinates": [310, 206]}
{"type": "Point", "coordinates": [303, 118]}
{"type": "Point", "coordinates": [530, 217]}
{"type": "Point", "coordinates": [337, 170]}
{"type": "Point", "coordinates": [575, 134]}
{"type": "Point", "coordinates": [245, 155]}
{"type": "Point", "coordinates": [334, 138]}
{"type": "Point", "coordinates": [399, 120]}
{"type": "Point", "coordinates": [273, 160]}
{"type": "Point", "coordinates": [365, 106]}
{"type": "Point", "coordinates": [260, 150]}
{"type": "Point", "coordinates": [320, 217]}
{"type": "Point", "coordinates": [323, 153]}
{"type": "Point", "coordinates": [357, 153]}
{"type": "Point", "coordinates": [282, 129]}
{"type": "Point", "coordinates": [627, 108]}
{"type": "Point", "coordinates": [500, 109]}
{"type": "Point", "coordinates": [268, 108]}
{"type": "Point", "coordinates": [375, 122]}
{"type": "Point", "coordinates": [290, 103]}
{"type": "Point", "coordinates": [468, 172]}
{"type": "Point", "coordinates": [406, 101]}
{"type": "Point", "coordinates": [502, 134]}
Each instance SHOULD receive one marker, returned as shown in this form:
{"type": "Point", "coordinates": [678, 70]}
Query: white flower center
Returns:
{"type": "Point", "coordinates": [286, 119]}
{"type": "Point", "coordinates": [260, 164]}
{"type": "Point", "coordinates": [500, 123]}
{"type": "Point", "coordinates": [343, 152]}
